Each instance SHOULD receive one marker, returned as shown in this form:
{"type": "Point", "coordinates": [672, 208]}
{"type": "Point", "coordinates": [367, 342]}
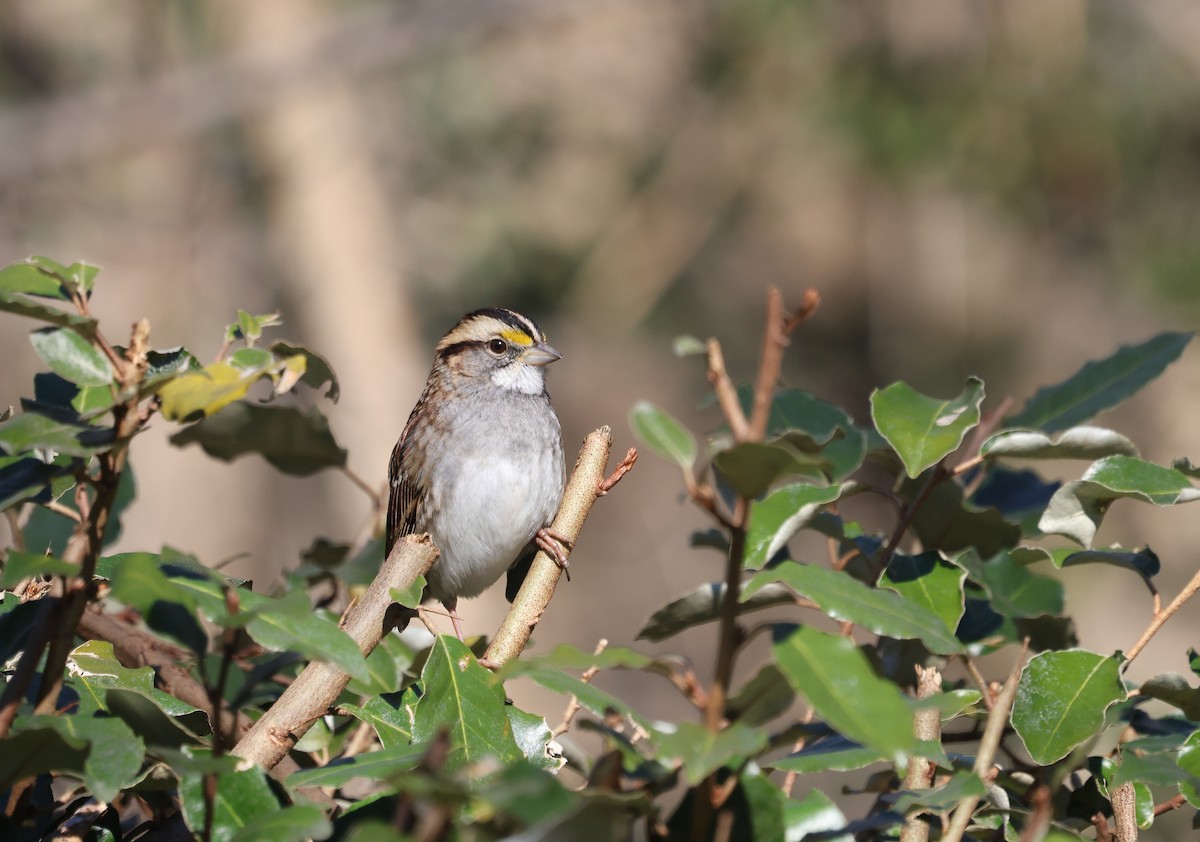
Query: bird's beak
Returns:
{"type": "Point", "coordinates": [540, 354]}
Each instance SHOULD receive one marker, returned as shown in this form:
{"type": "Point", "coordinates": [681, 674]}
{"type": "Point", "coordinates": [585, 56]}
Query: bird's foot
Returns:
{"type": "Point", "coordinates": [557, 546]}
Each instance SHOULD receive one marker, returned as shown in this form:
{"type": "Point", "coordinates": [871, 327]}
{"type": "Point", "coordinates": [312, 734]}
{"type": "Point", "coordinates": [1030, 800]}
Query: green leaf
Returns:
{"type": "Point", "coordinates": [685, 346]}
{"type": "Point", "coordinates": [761, 699]}
{"type": "Point", "coordinates": [409, 597]}
{"type": "Point", "coordinates": [374, 766]}
{"type": "Point", "coordinates": [114, 752]}
{"type": "Point", "coordinates": [1144, 562]}
{"type": "Point", "coordinates": [567, 657]}
{"type": "Point", "coordinates": [840, 685]}
{"type": "Point", "coordinates": [390, 714]}
{"type": "Point", "coordinates": [1075, 443]}
{"type": "Point", "coordinates": [590, 697]}
{"type": "Point", "coordinates": [250, 327]}
{"type": "Point", "coordinates": [297, 823]}
{"type": "Point", "coordinates": [97, 670]}
{"type": "Point", "coordinates": [818, 434]}
{"type": "Point", "coordinates": [1014, 589]}
{"type": "Point", "coordinates": [294, 440]}
{"type": "Point", "coordinates": [25, 478]}
{"type": "Point", "coordinates": [660, 432]}
{"type": "Point", "coordinates": [243, 797]}
{"type": "Point", "coordinates": [1174, 689]}
{"type": "Point", "coordinates": [962, 784]}
{"type": "Point", "coordinates": [1077, 509]}
{"type": "Point", "coordinates": [1189, 764]}
{"type": "Point", "coordinates": [924, 430]}
{"type": "Point", "coordinates": [533, 737]}
{"type": "Point", "coordinates": [71, 356]}
{"type": "Point", "coordinates": [1061, 701]}
{"type": "Point", "coordinates": [703, 605]}
{"type": "Point", "coordinates": [774, 520]}
{"type": "Point", "coordinates": [38, 276]}
{"type": "Point", "coordinates": [460, 697]}
{"type": "Point", "coordinates": [843, 597]}
{"type": "Point", "coordinates": [1100, 385]}
{"type": "Point", "coordinates": [698, 752]}
{"type": "Point", "coordinates": [815, 814]}
{"type": "Point", "coordinates": [21, 565]}
{"type": "Point", "coordinates": [317, 371]}
{"type": "Point", "coordinates": [948, 523]}
{"type": "Point", "coordinates": [832, 754]}
{"type": "Point", "coordinates": [751, 468]}
{"type": "Point", "coordinates": [930, 582]}
{"type": "Point", "coordinates": [28, 431]}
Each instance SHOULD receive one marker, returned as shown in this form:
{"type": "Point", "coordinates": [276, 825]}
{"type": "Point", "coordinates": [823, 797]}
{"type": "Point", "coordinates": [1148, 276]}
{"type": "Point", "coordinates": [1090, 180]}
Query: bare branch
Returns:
{"type": "Point", "coordinates": [1161, 617]}
{"type": "Point", "coordinates": [725, 391]}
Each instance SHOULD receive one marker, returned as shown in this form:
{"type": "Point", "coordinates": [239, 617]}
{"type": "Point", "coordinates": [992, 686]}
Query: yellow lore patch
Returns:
{"type": "Point", "coordinates": [516, 337]}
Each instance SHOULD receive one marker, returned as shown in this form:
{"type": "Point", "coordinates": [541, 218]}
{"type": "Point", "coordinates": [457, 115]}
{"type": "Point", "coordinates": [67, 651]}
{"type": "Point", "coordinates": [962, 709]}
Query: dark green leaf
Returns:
{"type": "Point", "coordinates": [774, 520]}
{"type": "Point", "coordinates": [948, 523]}
{"type": "Point", "coordinates": [30, 751]}
{"type": "Point", "coordinates": [660, 432]}
{"type": "Point", "coordinates": [832, 754]}
{"type": "Point", "coordinates": [243, 797]}
{"type": "Point", "coordinates": [23, 478]}
{"type": "Point", "coordinates": [114, 752]}
{"type": "Point", "coordinates": [1144, 562]}
{"type": "Point", "coordinates": [761, 699]}
{"type": "Point", "coordinates": [1189, 764]}
{"type": "Point", "coordinates": [20, 565]}
{"type": "Point", "coordinates": [28, 431]}
{"type": "Point", "coordinates": [1174, 689]}
{"type": "Point", "coordinates": [843, 597]}
{"type": "Point", "coordinates": [567, 657]}
{"type": "Point", "coordinates": [590, 697]}
{"type": "Point", "coordinates": [929, 581]}
{"type": "Point", "coordinates": [1100, 384]}
{"type": "Point", "coordinates": [1014, 589]}
{"type": "Point", "coordinates": [460, 697]}
{"type": "Point", "coordinates": [961, 785]}
{"type": "Point", "coordinates": [1061, 701]}
{"type": "Point", "coordinates": [71, 356]}
{"type": "Point", "coordinates": [836, 678]}
{"type": "Point", "coordinates": [1075, 443]}
{"type": "Point", "coordinates": [317, 371]}
{"type": "Point", "coordinates": [1077, 509]}
{"type": "Point", "coordinates": [924, 430]}
{"type": "Point", "coordinates": [294, 440]}
{"type": "Point", "coordinates": [699, 752]}
{"type": "Point", "coordinates": [751, 468]}
{"type": "Point", "coordinates": [703, 605]}
{"type": "Point", "coordinates": [409, 597]}
{"type": "Point", "coordinates": [163, 365]}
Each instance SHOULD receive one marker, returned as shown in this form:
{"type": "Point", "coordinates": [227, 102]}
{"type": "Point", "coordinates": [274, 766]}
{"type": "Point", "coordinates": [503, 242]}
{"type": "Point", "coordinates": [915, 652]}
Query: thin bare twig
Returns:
{"type": "Point", "coordinates": [364, 486]}
{"type": "Point", "coordinates": [623, 467]}
{"type": "Point", "coordinates": [993, 732]}
{"type": "Point", "coordinates": [775, 340]}
{"type": "Point", "coordinates": [979, 680]}
{"type": "Point", "coordinates": [726, 393]}
{"type": "Point", "coordinates": [573, 705]}
{"type": "Point", "coordinates": [66, 511]}
{"type": "Point", "coordinates": [907, 514]}
{"type": "Point", "coordinates": [1161, 617]}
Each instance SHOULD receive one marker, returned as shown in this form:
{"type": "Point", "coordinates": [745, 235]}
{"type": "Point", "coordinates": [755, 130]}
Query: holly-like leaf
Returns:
{"type": "Point", "coordinates": [294, 440]}
{"type": "Point", "coordinates": [461, 697]}
{"type": "Point", "coordinates": [1061, 701]}
{"type": "Point", "coordinates": [1077, 509]}
{"type": "Point", "coordinates": [71, 356]}
{"type": "Point", "coordinates": [390, 714]}
{"type": "Point", "coordinates": [38, 276]}
{"type": "Point", "coordinates": [114, 752]}
{"type": "Point", "coordinates": [1076, 443]}
{"type": "Point", "coordinates": [774, 520]}
{"type": "Point", "coordinates": [534, 737]}
{"type": "Point", "coordinates": [840, 685]}
{"type": "Point", "coordinates": [751, 468]}
{"type": "Point", "coordinates": [843, 597]}
{"type": "Point", "coordinates": [97, 670]}
{"type": "Point", "coordinates": [660, 432]}
{"type": "Point", "coordinates": [1100, 385]}
{"type": "Point", "coordinates": [924, 430]}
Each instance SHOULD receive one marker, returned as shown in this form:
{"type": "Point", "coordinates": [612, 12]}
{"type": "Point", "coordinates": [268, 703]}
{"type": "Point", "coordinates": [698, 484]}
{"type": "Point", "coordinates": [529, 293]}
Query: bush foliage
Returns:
{"type": "Point", "coordinates": [132, 677]}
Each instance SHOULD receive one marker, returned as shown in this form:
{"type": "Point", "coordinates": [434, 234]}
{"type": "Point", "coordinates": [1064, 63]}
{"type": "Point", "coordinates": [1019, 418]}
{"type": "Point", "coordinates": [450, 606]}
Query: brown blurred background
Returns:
{"type": "Point", "coordinates": [1006, 189]}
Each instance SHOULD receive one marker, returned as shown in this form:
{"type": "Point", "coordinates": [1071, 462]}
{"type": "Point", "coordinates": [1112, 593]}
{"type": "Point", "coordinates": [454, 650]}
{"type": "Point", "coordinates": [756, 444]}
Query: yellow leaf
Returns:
{"type": "Point", "coordinates": [203, 392]}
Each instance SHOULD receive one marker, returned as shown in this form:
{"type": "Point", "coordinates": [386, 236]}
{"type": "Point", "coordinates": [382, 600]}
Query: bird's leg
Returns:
{"type": "Point", "coordinates": [451, 606]}
{"type": "Point", "coordinates": [554, 544]}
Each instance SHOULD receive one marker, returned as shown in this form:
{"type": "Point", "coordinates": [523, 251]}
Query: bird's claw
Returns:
{"type": "Point", "coordinates": [556, 545]}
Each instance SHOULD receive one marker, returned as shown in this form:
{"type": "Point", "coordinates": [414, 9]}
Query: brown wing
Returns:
{"type": "Point", "coordinates": [402, 491]}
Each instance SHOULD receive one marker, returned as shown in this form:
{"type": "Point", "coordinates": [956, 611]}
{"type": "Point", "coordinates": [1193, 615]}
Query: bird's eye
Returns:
{"type": "Point", "coordinates": [497, 346]}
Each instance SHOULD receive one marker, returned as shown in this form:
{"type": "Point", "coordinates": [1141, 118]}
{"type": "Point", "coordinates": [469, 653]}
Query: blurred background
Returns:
{"type": "Point", "coordinates": [1006, 189]}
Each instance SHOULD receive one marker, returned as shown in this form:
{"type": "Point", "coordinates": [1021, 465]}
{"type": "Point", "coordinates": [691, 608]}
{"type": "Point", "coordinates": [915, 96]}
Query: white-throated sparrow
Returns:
{"type": "Point", "coordinates": [479, 465]}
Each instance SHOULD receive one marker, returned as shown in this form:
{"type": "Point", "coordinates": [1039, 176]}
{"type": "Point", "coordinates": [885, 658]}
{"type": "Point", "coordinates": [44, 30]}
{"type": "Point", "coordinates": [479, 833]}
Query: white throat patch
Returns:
{"type": "Point", "coordinates": [521, 377]}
